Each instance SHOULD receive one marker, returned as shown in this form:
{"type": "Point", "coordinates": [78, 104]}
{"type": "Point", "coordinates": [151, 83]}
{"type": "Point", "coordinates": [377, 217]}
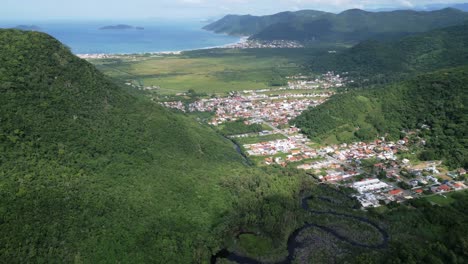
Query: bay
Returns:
{"type": "Point", "coordinates": [157, 36]}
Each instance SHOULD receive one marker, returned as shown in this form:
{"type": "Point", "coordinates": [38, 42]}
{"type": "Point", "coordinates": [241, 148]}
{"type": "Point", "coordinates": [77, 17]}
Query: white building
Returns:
{"type": "Point", "coordinates": [369, 185]}
{"type": "Point", "coordinates": [368, 200]}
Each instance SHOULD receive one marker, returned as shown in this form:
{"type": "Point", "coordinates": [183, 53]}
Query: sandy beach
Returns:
{"type": "Point", "coordinates": [178, 52]}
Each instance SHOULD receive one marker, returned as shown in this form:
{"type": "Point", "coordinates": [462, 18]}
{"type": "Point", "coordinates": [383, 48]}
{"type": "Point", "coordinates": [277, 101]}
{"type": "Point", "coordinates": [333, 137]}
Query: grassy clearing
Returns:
{"type": "Point", "coordinates": [203, 74]}
{"type": "Point", "coordinates": [266, 127]}
{"type": "Point", "coordinates": [441, 199]}
{"type": "Point", "coordinates": [209, 71]}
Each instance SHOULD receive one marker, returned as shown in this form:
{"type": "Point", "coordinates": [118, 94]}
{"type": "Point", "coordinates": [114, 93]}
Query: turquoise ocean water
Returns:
{"type": "Point", "coordinates": [86, 38]}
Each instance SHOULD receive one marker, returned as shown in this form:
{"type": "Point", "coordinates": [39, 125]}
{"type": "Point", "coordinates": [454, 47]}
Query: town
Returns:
{"type": "Point", "coordinates": [377, 170]}
{"type": "Point", "coordinates": [276, 105]}
{"type": "Point", "coordinates": [255, 44]}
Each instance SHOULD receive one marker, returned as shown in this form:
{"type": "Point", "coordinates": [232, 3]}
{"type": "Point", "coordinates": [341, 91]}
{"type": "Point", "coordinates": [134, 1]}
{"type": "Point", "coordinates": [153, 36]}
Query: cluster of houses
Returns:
{"type": "Point", "coordinates": [379, 149]}
{"type": "Point", "coordinates": [278, 110]}
{"type": "Point", "coordinates": [392, 179]}
{"type": "Point", "coordinates": [337, 158]}
{"type": "Point", "coordinates": [270, 147]}
{"type": "Point", "coordinates": [256, 44]}
{"type": "Point", "coordinates": [97, 56]}
{"type": "Point", "coordinates": [293, 145]}
{"type": "Point", "coordinates": [374, 192]}
{"type": "Point", "coordinates": [174, 105]}
{"type": "Point", "coordinates": [264, 104]}
{"type": "Point", "coordinates": [325, 81]}
{"type": "Point", "coordinates": [426, 179]}
{"type": "Point", "coordinates": [431, 184]}
{"type": "Point", "coordinates": [338, 174]}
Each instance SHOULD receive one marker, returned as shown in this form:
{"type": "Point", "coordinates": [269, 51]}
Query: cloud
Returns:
{"type": "Point", "coordinates": [406, 3]}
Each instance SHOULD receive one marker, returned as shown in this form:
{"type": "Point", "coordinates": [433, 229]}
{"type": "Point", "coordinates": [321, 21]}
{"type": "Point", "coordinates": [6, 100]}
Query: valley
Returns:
{"type": "Point", "coordinates": [322, 138]}
{"type": "Point", "coordinates": [265, 118]}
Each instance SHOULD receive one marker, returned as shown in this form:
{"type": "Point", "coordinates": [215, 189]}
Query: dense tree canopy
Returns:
{"type": "Point", "coordinates": [91, 173]}
{"type": "Point", "coordinates": [381, 61]}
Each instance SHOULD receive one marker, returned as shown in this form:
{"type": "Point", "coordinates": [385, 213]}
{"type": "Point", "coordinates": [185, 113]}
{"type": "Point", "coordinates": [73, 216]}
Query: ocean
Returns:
{"type": "Point", "coordinates": [87, 38]}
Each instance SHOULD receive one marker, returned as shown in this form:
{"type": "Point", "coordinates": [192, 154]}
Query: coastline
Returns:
{"type": "Point", "coordinates": [177, 52]}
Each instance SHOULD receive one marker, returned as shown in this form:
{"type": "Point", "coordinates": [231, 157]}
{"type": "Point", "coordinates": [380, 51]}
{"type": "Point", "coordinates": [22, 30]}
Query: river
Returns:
{"type": "Point", "coordinates": [293, 244]}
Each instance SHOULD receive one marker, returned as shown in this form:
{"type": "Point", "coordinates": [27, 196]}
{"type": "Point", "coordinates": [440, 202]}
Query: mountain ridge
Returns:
{"type": "Point", "coordinates": [350, 26]}
{"type": "Point", "coordinates": [423, 52]}
{"type": "Point", "coordinates": [248, 24]}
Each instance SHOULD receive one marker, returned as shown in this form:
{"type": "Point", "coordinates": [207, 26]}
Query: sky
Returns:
{"type": "Point", "coordinates": [180, 9]}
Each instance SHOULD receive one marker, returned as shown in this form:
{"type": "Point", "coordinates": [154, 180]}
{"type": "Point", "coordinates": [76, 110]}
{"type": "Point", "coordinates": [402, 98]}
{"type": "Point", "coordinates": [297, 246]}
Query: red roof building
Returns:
{"type": "Point", "coordinates": [395, 192]}
{"type": "Point", "coordinates": [443, 188]}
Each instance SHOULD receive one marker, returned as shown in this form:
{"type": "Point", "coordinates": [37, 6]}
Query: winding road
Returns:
{"type": "Point", "coordinates": [293, 244]}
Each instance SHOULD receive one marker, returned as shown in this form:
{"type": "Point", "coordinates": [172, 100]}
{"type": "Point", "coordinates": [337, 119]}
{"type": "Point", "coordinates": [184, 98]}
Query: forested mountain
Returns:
{"type": "Point", "coordinates": [92, 174]}
{"type": "Point", "coordinates": [248, 25]}
{"type": "Point", "coordinates": [437, 49]}
{"type": "Point", "coordinates": [434, 101]}
{"type": "Point", "coordinates": [350, 26]}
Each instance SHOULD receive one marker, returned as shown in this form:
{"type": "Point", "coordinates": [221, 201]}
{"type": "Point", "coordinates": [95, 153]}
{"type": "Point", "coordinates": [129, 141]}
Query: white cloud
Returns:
{"type": "Point", "coordinates": [406, 3]}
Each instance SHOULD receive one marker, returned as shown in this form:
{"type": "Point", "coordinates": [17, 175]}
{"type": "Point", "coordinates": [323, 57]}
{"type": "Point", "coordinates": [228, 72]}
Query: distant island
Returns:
{"type": "Point", "coordinates": [28, 27]}
{"type": "Point", "coordinates": [121, 27]}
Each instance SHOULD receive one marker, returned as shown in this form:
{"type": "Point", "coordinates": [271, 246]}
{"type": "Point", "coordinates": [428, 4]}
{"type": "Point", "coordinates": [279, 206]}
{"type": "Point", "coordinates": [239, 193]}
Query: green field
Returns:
{"type": "Point", "coordinates": [209, 71]}
{"type": "Point", "coordinates": [441, 199]}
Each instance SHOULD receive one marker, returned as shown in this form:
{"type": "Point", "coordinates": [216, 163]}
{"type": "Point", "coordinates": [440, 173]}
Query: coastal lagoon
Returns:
{"type": "Point", "coordinates": [157, 36]}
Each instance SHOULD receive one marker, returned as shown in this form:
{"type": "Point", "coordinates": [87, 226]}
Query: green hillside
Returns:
{"type": "Point", "coordinates": [436, 100]}
{"type": "Point", "coordinates": [92, 174]}
{"type": "Point", "coordinates": [350, 26]}
{"type": "Point", "coordinates": [248, 25]}
{"type": "Point", "coordinates": [437, 49]}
